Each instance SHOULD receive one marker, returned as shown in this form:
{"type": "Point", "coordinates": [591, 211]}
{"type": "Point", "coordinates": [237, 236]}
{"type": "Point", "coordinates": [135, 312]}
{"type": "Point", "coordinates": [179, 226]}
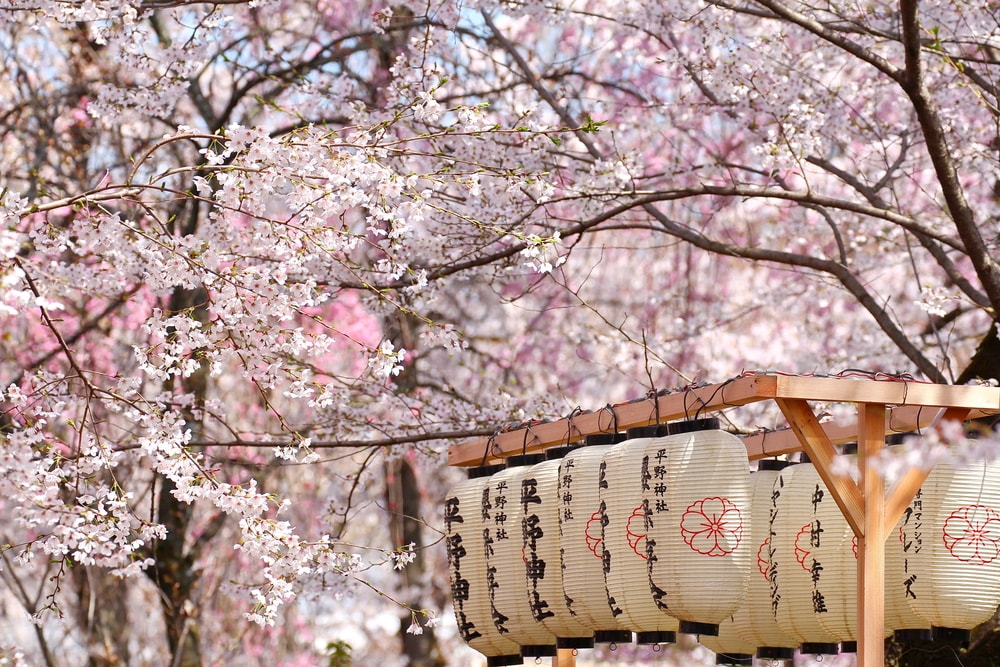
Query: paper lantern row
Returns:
{"type": "Point", "coordinates": [660, 534]}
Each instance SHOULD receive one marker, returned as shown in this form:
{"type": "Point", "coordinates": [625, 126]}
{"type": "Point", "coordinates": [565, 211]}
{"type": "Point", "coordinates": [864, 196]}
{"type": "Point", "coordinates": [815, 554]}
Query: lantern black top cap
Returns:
{"type": "Point", "coordinates": [692, 425]}
{"type": "Point", "coordinates": [555, 453]}
{"type": "Point", "coordinates": [484, 471]}
{"type": "Point", "coordinates": [654, 431]}
{"type": "Point", "coordinates": [524, 460]}
{"type": "Point", "coordinates": [603, 439]}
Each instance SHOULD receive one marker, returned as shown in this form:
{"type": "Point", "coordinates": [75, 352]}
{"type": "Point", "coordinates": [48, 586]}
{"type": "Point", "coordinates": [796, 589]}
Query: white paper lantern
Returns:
{"type": "Point", "coordinates": [900, 617]}
{"type": "Point", "coordinates": [580, 540]}
{"type": "Point", "coordinates": [505, 562]}
{"type": "Point", "coordinates": [696, 490]}
{"type": "Point", "coordinates": [833, 566]}
{"type": "Point", "coordinates": [793, 600]}
{"type": "Point", "coordinates": [541, 506]}
{"type": "Point", "coordinates": [623, 536]}
{"type": "Point", "coordinates": [754, 621]}
{"type": "Point", "coordinates": [467, 570]}
{"type": "Point", "coordinates": [951, 542]}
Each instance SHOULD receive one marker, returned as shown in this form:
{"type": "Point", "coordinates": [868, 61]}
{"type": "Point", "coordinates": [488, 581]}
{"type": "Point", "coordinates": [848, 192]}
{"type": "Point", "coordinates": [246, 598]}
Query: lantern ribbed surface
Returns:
{"type": "Point", "coordinates": [754, 621]}
{"type": "Point", "coordinates": [624, 542]}
{"type": "Point", "coordinates": [696, 487]}
{"type": "Point", "coordinates": [580, 539]}
{"type": "Point", "coordinates": [791, 582]}
{"type": "Point", "coordinates": [951, 542]}
{"type": "Point", "coordinates": [505, 562]}
{"type": "Point", "coordinates": [541, 506]}
{"type": "Point", "coordinates": [467, 571]}
{"type": "Point", "coordinates": [833, 565]}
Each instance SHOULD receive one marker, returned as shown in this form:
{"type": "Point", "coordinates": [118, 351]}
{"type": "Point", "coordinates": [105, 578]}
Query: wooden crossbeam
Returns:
{"type": "Point", "coordinates": [913, 405]}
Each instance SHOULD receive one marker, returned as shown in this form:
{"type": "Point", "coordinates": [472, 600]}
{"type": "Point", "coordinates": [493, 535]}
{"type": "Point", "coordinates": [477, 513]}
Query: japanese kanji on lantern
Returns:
{"type": "Point", "coordinates": [581, 546]}
{"type": "Point", "coordinates": [900, 618]}
{"type": "Point", "coordinates": [696, 499]}
{"type": "Point", "coordinates": [754, 620]}
{"type": "Point", "coordinates": [795, 602]}
{"type": "Point", "coordinates": [463, 522]}
{"type": "Point", "coordinates": [623, 538]}
{"type": "Point", "coordinates": [832, 561]}
{"type": "Point", "coordinates": [951, 547]}
{"type": "Point", "coordinates": [540, 507]}
{"type": "Point", "coordinates": [505, 563]}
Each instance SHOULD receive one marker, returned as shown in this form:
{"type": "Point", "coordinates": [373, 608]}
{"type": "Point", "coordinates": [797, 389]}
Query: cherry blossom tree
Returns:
{"type": "Point", "coordinates": [262, 261]}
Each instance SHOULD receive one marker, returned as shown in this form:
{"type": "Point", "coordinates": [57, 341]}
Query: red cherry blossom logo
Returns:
{"type": "Point", "coordinates": [593, 534]}
{"type": "Point", "coordinates": [803, 547]}
{"type": "Point", "coordinates": [712, 526]}
{"type": "Point", "coordinates": [763, 565]}
{"type": "Point", "coordinates": [972, 534]}
{"type": "Point", "coordinates": [635, 531]}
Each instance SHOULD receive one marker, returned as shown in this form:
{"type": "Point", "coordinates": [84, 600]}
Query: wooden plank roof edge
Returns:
{"type": "Point", "coordinates": [696, 401]}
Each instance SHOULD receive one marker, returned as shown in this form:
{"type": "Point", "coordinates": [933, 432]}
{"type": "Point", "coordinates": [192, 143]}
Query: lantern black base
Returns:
{"type": "Point", "coordinates": [913, 635]}
{"type": "Point", "coordinates": [659, 637]}
{"type": "Point", "coordinates": [694, 628]}
{"type": "Point", "coordinates": [953, 635]}
{"type": "Point", "coordinates": [613, 637]}
{"type": "Point", "coordinates": [733, 659]}
{"type": "Point", "coordinates": [775, 653]}
{"type": "Point", "coordinates": [574, 642]}
{"type": "Point", "coordinates": [848, 647]}
{"type": "Point", "coordinates": [538, 650]}
{"type": "Point", "coordinates": [820, 648]}
{"type": "Point", "coordinates": [504, 660]}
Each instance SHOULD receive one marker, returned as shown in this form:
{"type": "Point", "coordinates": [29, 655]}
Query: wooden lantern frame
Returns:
{"type": "Point", "coordinates": [884, 406]}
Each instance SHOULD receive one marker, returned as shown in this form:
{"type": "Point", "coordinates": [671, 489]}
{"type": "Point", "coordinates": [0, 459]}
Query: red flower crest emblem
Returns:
{"type": "Point", "coordinates": [593, 534]}
{"type": "Point", "coordinates": [712, 526]}
{"type": "Point", "coordinates": [635, 531]}
{"type": "Point", "coordinates": [802, 545]}
{"type": "Point", "coordinates": [972, 534]}
{"type": "Point", "coordinates": [763, 565]}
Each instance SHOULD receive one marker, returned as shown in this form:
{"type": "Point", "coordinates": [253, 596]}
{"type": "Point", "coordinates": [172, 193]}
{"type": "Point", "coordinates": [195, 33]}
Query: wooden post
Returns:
{"type": "Point", "coordinates": [565, 657]}
{"type": "Point", "coordinates": [871, 545]}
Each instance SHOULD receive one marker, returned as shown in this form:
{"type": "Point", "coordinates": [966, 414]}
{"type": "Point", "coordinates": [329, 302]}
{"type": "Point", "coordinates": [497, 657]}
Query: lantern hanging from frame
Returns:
{"type": "Point", "coordinates": [951, 545]}
{"type": "Point", "coordinates": [754, 621]}
{"type": "Point", "coordinates": [505, 562]}
{"type": "Point", "coordinates": [900, 618]}
{"type": "Point", "coordinates": [696, 491]}
{"type": "Point", "coordinates": [541, 547]}
{"type": "Point", "coordinates": [467, 570]}
{"type": "Point", "coordinates": [793, 599]}
{"type": "Point", "coordinates": [581, 547]}
{"type": "Point", "coordinates": [623, 537]}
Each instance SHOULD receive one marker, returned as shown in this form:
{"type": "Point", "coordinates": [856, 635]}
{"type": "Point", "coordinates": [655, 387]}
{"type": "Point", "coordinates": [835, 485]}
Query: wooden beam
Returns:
{"type": "Point", "coordinates": [913, 399]}
{"type": "Point", "coordinates": [871, 545]}
{"type": "Point", "coordinates": [821, 452]}
{"type": "Point", "coordinates": [902, 419]}
{"type": "Point", "coordinates": [688, 403]}
{"type": "Point", "coordinates": [888, 392]}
